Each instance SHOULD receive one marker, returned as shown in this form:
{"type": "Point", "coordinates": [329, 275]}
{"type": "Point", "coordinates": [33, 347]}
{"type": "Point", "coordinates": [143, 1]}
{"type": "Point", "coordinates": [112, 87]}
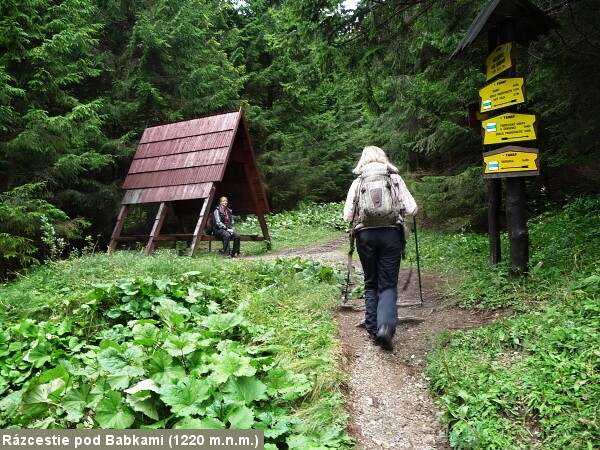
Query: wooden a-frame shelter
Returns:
{"type": "Point", "coordinates": [184, 168]}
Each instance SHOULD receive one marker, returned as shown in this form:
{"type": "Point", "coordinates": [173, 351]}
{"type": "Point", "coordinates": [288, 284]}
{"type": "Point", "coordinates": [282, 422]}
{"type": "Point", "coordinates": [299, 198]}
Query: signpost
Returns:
{"type": "Point", "coordinates": [502, 93]}
{"type": "Point", "coordinates": [508, 127]}
{"type": "Point", "coordinates": [511, 161]}
{"type": "Point", "coordinates": [499, 60]}
{"type": "Point", "coordinates": [506, 23]}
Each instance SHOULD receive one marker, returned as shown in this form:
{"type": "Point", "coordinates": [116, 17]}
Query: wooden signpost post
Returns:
{"type": "Point", "coordinates": [512, 163]}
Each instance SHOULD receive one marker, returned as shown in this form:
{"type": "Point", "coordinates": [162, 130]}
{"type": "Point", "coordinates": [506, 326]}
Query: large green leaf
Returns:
{"type": "Point", "coordinates": [87, 367]}
{"type": "Point", "coordinates": [9, 404]}
{"type": "Point", "coordinates": [51, 374]}
{"type": "Point", "coordinates": [37, 400]}
{"type": "Point", "coordinates": [140, 398]}
{"type": "Point", "coordinates": [246, 389]}
{"type": "Point", "coordinates": [145, 333]}
{"type": "Point", "coordinates": [127, 362]}
{"type": "Point", "coordinates": [171, 312]}
{"type": "Point", "coordinates": [194, 294]}
{"type": "Point", "coordinates": [181, 344]}
{"type": "Point", "coordinates": [39, 353]}
{"type": "Point", "coordinates": [288, 385]}
{"type": "Point", "coordinates": [276, 423]}
{"type": "Point", "coordinates": [303, 442]}
{"type": "Point", "coordinates": [241, 417]}
{"type": "Point", "coordinates": [219, 323]}
{"type": "Point", "coordinates": [185, 398]}
{"type": "Point", "coordinates": [129, 287]}
{"type": "Point", "coordinates": [208, 423]}
{"type": "Point", "coordinates": [4, 385]}
{"type": "Point", "coordinates": [144, 385]}
{"type": "Point", "coordinates": [4, 339]}
{"type": "Point", "coordinates": [118, 382]}
{"type": "Point", "coordinates": [112, 413]}
{"type": "Point", "coordinates": [163, 283]}
{"type": "Point", "coordinates": [229, 363]}
{"type": "Point", "coordinates": [163, 370]}
{"type": "Point", "coordinates": [144, 402]}
{"type": "Point", "coordinates": [76, 400]}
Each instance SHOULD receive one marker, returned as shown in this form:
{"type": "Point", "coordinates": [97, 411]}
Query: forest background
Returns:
{"type": "Point", "coordinates": [80, 80]}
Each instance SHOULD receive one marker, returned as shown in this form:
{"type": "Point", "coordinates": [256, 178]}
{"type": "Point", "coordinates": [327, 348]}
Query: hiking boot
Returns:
{"type": "Point", "coordinates": [384, 337]}
{"type": "Point", "coordinates": [373, 338]}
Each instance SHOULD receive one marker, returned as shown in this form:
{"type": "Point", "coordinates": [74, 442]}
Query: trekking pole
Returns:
{"type": "Point", "coordinates": [350, 252]}
{"type": "Point", "coordinates": [418, 264]}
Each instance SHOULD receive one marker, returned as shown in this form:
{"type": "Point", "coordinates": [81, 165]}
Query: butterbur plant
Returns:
{"type": "Point", "coordinates": [170, 355]}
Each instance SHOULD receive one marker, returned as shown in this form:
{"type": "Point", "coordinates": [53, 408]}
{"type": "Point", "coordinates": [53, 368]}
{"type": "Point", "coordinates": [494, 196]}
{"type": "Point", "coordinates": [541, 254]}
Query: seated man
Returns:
{"type": "Point", "coordinates": [223, 229]}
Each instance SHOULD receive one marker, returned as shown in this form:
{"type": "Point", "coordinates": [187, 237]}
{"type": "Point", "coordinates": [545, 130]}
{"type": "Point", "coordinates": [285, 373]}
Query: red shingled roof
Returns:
{"type": "Point", "coordinates": [183, 160]}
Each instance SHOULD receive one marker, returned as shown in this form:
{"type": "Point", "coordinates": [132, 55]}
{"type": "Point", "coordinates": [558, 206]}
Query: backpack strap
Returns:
{"type": "Point", "coordinates": [355, 222]}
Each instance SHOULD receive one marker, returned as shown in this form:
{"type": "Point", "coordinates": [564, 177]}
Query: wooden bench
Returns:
{"type": "Point", "coordinates": [194, 238]}
{"type": "Point", "coordinates": [187, 237]}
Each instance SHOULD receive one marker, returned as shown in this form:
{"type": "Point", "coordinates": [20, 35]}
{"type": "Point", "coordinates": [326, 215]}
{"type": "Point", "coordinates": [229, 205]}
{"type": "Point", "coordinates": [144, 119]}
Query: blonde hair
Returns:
{"type": "Point", "coordinates": [370, 154]}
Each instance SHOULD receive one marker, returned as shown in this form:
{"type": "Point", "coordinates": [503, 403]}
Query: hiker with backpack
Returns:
{"type": "Point", "coordinates": [377, 202]}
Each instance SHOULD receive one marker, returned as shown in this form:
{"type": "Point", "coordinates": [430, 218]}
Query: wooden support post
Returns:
{"type": "Point", "coordinates": [515, 198]}
{"type": "Point", "coordinates": [259, 216]}
{"type": "Point", "coordinates": [494, 202]}
{"type": "Point", "coordinates": [118, 228]}
{"type": "Point", "coordinates": [158, 221]}
{"type": "Point", "coordinates": [263, 226]}
{"type": "Point", "coordinates": [202, 219]}
{"type": "Point", "coordinates": [517, 225]}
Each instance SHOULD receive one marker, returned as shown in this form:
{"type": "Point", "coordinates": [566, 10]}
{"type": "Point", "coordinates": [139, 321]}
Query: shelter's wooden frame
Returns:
{"type": "Point", "coordinates": [243, 179]}
{"type": "Point", "coordinates": [194, 238]}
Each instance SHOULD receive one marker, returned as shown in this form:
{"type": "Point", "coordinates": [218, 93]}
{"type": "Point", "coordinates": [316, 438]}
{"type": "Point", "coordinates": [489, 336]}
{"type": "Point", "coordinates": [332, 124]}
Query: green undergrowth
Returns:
{"type": "Point", "coordinates": [36, 290]}
{"type": "Point", "coordinates": [122, 340]}
{"type": "Point", "coordinates": [531, 380]}
{"type": "Point", "coordinates": [563, 246]}
{"type": "Point", "coordinates": [125, 340]}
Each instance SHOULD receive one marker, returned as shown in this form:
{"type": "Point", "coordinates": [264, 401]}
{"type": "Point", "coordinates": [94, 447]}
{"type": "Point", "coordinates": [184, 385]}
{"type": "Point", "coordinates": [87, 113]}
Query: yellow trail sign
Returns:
{"type": "Point", "coordinates": [499, 60]}
{"type": "Point", "coordinates": [502, 93]}
{"type": "Point", "coordinates": [508, 127]}
{"type": "Point", "coordinates": [511, 161]}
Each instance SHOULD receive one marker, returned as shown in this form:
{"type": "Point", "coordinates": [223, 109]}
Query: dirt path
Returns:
{"type": "Point", "coordinates": [388, 402]}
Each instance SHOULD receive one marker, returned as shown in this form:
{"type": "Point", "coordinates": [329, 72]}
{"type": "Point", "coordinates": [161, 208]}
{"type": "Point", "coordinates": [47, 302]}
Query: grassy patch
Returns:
{"type": "Point", "coordinates": [255, 340]}
{"type": "Point", "coordinates": [532, 380]}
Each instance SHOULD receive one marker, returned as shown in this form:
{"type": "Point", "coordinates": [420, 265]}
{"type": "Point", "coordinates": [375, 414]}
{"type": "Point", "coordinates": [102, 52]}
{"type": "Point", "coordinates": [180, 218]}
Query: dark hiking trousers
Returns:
{"type": "Point", "coordinates": [380, 250]}
{"type": "Point", "coordinates": [227, 237]}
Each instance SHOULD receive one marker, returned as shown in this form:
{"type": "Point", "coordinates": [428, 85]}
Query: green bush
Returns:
{"type": "Point", "coordinates": [31, 228]}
